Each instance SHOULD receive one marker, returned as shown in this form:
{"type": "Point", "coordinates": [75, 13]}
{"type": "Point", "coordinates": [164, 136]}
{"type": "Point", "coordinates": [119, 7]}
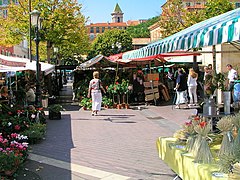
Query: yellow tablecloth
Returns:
{"type": "Point", "coordinates": [182, 163]}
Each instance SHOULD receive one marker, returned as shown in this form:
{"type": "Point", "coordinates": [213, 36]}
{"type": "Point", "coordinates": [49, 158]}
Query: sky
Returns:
{"type": "Point", "coordinates": [100, 10]}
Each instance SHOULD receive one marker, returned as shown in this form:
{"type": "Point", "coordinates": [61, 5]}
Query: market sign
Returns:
{"type": "Point", "coordinates": [12, 63]}
{"type": "Point", "coordinates": [217, 30]}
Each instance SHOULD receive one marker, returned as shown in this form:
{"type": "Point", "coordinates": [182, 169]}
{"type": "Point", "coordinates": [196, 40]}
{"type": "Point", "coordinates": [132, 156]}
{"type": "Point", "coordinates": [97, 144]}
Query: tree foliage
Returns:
{"type": "Point", "coordinates": [63, 26]}
{"type": "Point", "coordinates": [217, 7]}
{"type": "Point", "coordinates": [103, 43]}
{"type": "Point", "coordinates": [141, 30]}
{"type": "Point", "coordinates": [175, 17]}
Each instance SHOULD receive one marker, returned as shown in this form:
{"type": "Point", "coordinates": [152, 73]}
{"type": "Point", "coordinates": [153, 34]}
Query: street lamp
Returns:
{"type": "Point", "coordinates": [36, 22]}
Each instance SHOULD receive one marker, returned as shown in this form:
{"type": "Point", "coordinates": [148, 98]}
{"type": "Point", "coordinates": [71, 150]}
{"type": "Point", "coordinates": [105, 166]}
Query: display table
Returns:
{"type": "Point", "coordinates": [183, 164]}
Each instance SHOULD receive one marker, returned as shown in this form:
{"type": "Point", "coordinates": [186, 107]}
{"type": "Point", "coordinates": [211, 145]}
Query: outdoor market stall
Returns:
{"type": "Point", "coordinates": [195, 152]}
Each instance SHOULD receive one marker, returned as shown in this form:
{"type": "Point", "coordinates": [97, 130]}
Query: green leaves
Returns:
{"type": "Point", "coordinates": [103, 43]}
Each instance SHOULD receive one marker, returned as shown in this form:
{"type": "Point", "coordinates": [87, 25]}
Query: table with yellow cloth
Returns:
{"type": "Point", "coordinates": [183, 164]}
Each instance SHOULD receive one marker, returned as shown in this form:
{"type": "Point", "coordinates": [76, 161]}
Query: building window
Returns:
{"type": "Point", "coordinates": [5, 2]}
{"type": "Point", "coordinates": [91, 30]}
{"type": "Point", "coordinates": [92, 36]}
{"type": "Point", "coordinates": [237, 5]}
{"type": "Point", "coordinates": [198, 3]}
{"type": "Point", "coordinates": [109, 27]}
{"type": "Point", "coordinates": [118, 19]}
{"type": "Point", "coordinates": [97, 30]}
{"type": "Point", "coordinates": [5, 13]}
{"type": "Point", "coordinates": [103, 29]}
{"type": "Point", "coordinates": [188, 4]}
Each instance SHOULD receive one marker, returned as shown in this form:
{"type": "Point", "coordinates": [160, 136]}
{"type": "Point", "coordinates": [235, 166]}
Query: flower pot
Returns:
{"type": "Point", "coordinates": [227, 101]}
{"type": "Point", "coordinates": [123, 105]}
{"type": "Point", "coordinates": [45, 103]}
{"type": "Point", "coordinates": [114, 105]}
{"type": "Point", "coordinates": [119, 106]}
{"type": "Point", "coordinates": [127, 106]}
{"type": "Point", "coordinates": [84, 108]}
{"type": "Point", "coordinates": [54, 115]}
{"type": "Point", "coordinates": [10, 172]}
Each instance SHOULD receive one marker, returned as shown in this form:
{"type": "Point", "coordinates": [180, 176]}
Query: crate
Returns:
{"type": "Point", "coordinates": [152, 77]}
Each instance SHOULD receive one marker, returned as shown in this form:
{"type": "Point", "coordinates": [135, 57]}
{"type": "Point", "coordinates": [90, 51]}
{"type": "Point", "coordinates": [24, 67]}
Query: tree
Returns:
{"type": "Point", "coordinates": [217, 7]}
{"type": "Point", "coordinates": [63, 26]}
{"type": "Point", "coordinates": [175, 17]}
{"type": "Point", "coordinates": [141, 30]}
{"type": "Point", "coordinates": [103, 43]}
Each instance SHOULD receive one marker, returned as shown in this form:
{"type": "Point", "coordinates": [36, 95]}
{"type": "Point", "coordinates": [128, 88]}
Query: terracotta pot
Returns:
{"type": "Point", "coordinates": [127, 106]}
{"type": "Point", "coordinates": [10, 172]}
{"type": "Point", "coordinates": [114, 105]}
{"type": "Point", "coordinates": [85, 108]}
{"type": "Point", "coordinates": [119, 106]}
{"type": "Point", "coordinates": [123, 105]}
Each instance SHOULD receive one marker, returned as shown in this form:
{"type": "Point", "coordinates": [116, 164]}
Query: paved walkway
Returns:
{"type": "Point", "coordinates": [116, 144]}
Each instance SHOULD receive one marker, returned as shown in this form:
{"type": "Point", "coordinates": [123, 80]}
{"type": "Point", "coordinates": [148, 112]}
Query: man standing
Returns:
{"type": "Point", "coordinates": [232, 76]}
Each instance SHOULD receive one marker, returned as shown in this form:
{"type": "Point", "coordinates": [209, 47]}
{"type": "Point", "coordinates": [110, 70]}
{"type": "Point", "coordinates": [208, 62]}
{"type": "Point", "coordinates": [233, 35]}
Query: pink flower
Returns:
{"type": "Point", "coordinates": [17, 127]}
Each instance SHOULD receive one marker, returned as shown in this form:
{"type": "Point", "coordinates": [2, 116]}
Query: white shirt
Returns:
{"type": "Point", "coordinates": [232, 75]}
{"type": "Point", "coordinates": [191, 81]}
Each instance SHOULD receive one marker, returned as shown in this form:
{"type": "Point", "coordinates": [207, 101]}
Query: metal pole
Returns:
{"type": "Point", "coordinates": [30, 25]}
{"type": "Point", "coordinates": [38, 92]}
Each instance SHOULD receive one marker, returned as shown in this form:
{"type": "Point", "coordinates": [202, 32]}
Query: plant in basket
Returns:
{"type": "Point", "coordinates": [55, 111]}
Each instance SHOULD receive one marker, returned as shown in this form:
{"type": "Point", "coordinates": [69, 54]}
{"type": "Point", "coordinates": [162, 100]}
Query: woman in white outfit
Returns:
{"type": "Point", "coordinates": [94, 89]}
{"type": "Point", "coordinates": [192, 87]}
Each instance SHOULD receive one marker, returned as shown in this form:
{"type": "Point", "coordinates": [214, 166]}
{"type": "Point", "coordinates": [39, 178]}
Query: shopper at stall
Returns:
{"type": "Point", "coordinates": [170, 81]}
{"type": "Point", "coordinates": [232, 76]}
{"type": "Point", "coordinates": [94, 91]}
{"type": "Point", "coordinates": [30, 95]}
{"type": "Point", "coordinates": [192, 87]}
{"type": "Point", "coordinates": [181, 88]}
{"type": "Point", "coordinates": [4, 93]}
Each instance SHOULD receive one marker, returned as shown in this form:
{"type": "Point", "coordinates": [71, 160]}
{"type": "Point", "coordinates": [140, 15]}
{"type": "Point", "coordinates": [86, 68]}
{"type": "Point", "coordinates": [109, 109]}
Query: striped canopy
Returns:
{"type": "Point", "coordinates": [216, 30]}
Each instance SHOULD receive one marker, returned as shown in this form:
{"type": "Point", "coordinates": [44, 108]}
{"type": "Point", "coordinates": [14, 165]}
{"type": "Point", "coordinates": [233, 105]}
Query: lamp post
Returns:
{"type": "Point", "coordinates": [36, 22]}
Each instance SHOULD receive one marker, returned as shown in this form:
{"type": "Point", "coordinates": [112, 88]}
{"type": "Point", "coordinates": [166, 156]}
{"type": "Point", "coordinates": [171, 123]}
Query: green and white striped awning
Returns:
{"type": "Point", "coordinates": [213, 31]}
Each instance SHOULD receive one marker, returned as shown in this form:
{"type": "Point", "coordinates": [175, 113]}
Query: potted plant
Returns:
{"type": "Point", "coordinates": [86, 103]}
{"type": "Point", "coordinates": [35, 132]}
{"type": "Point", "coordinates": [13, 152]}
{"type": "Point", "coordinates": [107, 102]}
{"type": "Point", "coordinates": [55, 111]}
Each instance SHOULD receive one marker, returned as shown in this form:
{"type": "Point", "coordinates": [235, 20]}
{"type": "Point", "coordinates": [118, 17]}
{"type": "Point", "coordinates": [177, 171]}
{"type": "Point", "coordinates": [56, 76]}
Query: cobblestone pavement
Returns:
{"type": "Point", "coordinates": [115, 144]}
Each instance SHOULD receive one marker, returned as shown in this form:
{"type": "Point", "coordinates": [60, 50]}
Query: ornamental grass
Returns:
{"type": "Point", "coordinates": [236, 123]}
{"type": "Point", "coordinates": [225, 125]}
{"type": "Point", "coordinates": [203, 153]}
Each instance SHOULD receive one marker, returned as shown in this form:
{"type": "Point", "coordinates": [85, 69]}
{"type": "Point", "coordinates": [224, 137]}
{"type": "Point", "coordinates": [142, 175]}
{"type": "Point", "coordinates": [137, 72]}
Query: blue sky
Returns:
{"type": "Point", "coordinates": [100, 10]}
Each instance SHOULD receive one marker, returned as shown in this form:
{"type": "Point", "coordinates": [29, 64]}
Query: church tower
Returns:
{"type": "Point", "coordinates": [117, 15]}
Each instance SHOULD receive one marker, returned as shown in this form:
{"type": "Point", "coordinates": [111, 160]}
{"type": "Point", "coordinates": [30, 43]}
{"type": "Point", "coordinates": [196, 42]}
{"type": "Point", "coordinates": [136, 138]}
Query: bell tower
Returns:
{"type": "Point", "coordinates": [117, 15]}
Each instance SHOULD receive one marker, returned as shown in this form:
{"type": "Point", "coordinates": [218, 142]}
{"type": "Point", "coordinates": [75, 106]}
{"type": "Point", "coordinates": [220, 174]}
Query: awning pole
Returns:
{"type": "Point", "coordinates": [214, 58]}
{"type": "Point", "coordinates": [116, 76]}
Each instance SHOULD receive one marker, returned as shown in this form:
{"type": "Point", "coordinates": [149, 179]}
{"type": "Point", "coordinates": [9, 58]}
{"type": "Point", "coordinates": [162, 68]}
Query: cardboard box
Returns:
{"type": "Point", "coordinates": [154, 77]}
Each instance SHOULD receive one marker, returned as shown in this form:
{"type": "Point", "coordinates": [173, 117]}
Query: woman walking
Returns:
{"type": "Point", "coordinates": [192, 87]}
{"type": "Point", "coordinates": [94, 89]}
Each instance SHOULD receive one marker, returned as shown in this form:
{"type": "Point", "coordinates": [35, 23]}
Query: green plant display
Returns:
{"type": "Point", "coordinates": [35, 132]}
{"type": "Point", "coordinates": [56, 108]}
{"type": "Point", "coordinates": [86, 102]}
